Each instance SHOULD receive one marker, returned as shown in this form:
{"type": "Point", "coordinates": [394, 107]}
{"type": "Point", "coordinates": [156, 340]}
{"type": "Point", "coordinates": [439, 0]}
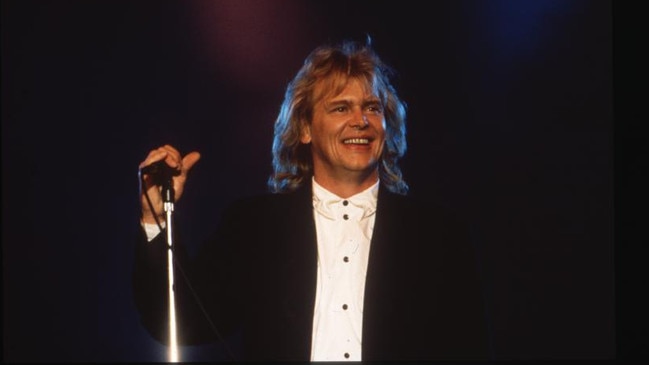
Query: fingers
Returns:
{"type": "Point", "coordinates": [154, 156]}
{"type": "Point", "coordinates": [172, 157]}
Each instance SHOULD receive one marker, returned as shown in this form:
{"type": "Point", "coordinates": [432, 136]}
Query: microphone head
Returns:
{"type": "Point", "coordinates": [159, 172]}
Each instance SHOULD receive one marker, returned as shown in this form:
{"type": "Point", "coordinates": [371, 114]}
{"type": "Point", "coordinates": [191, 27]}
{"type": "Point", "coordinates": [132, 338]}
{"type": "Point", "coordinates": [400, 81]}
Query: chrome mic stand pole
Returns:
{"type": "Point", "coordinates": [168, 198]}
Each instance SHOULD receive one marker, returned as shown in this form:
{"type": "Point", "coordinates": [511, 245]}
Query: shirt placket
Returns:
{"type": "Point", "coordinates": [349, 260]}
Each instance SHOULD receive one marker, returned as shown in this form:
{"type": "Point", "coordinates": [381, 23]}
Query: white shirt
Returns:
{"type": "Point", "coordinates": [344, 230]}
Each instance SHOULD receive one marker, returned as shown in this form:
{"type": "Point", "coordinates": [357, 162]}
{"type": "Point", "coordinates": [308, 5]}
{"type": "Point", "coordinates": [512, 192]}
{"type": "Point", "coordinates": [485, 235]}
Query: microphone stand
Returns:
{"type": "Point", "coordinates": [168, 199]}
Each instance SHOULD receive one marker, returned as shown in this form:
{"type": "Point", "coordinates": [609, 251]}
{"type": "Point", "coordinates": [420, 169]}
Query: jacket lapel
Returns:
{"type": "Point", "coordinates": [299, 234]}
{"type": "Point", "coordinates": [379, 278]}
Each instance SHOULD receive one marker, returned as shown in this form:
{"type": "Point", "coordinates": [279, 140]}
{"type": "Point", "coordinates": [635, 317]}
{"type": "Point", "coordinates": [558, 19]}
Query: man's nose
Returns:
{"type": "Point", "coordinates": [359, 120]}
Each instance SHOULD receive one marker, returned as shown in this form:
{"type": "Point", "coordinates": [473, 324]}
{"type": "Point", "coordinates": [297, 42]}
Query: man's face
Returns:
{"type": "Point", "coordinates": [347, 134]}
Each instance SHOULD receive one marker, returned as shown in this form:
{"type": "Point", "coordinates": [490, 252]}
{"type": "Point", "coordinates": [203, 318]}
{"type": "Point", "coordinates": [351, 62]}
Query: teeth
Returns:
{"type": "Point", "coordinates": [356, 141]}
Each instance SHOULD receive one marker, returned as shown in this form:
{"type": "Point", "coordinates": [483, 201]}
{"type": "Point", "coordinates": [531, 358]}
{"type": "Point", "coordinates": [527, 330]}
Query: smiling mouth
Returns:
{"type": "Point", "coordinates": [356, 141]}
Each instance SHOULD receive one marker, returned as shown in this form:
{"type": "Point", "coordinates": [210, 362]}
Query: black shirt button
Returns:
{"type": "Point", "coordinates": [346, 355]}
{"type": "Point", "coordinates": [345, 306]}
{"type": "Point", "coordinates": [345, 217]}
{"type": "Point", "coordinates": [345, 202]}
{"type": "Point", "coordinates": [346, 259]}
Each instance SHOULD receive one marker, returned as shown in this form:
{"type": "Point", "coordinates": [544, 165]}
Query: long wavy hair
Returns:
{"type": "Point", "coordinates": [335, 65]}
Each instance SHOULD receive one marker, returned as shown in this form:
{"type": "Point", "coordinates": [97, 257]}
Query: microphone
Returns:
{"type": "Point", "coordinates": [162, 174]}
{"type": "Point", "coordinates": [159, 168]}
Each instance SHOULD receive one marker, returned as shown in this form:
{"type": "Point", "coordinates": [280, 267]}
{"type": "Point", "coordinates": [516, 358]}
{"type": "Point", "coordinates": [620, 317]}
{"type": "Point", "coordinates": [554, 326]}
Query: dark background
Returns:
{"type": "Point", "coordinates": [510, 124]}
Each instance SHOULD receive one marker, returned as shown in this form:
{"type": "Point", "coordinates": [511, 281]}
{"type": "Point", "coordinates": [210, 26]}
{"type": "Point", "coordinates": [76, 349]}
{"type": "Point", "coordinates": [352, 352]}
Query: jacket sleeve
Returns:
{"type": "Point", "coordinates": [206, 287]}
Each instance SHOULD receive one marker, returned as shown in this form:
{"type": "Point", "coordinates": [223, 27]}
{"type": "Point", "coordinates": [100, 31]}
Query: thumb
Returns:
{"type": "Point", "coordinates": [189, 160]}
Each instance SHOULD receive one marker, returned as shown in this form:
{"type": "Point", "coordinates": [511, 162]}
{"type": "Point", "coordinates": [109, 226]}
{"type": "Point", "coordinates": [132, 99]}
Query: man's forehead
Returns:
{"type": "Point", "coordinates": [328, 90]}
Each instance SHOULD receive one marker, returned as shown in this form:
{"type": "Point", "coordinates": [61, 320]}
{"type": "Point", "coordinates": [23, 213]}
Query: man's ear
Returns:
{"type": "Point", "coordinates": [305, 133]}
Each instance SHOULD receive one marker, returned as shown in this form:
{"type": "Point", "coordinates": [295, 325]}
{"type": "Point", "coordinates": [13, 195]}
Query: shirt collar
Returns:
{"type": "Point", "coordinates": [324, 200]}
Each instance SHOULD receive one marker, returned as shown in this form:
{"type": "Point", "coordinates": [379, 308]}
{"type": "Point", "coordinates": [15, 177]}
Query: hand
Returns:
{"type": "Point", "coordinates": [172, 157]}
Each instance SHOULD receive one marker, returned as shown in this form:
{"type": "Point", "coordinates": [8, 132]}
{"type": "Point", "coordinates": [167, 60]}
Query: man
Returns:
{"type": "Point", "coordinates": [337, 263]}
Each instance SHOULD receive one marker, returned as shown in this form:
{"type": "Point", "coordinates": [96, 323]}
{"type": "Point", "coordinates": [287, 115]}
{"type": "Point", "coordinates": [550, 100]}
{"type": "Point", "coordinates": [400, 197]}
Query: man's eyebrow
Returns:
{"type": "Point", "coordinates": [372, 100]}
{"type": "Point", "coordinates": [338, 102]}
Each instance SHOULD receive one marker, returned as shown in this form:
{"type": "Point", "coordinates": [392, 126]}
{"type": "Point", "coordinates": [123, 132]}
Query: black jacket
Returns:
{"type": "Point", "coordinates": [423, 296]}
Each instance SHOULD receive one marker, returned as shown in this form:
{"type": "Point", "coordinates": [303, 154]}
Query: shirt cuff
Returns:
{"type": "Point", "coordinates": [152, 230]}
